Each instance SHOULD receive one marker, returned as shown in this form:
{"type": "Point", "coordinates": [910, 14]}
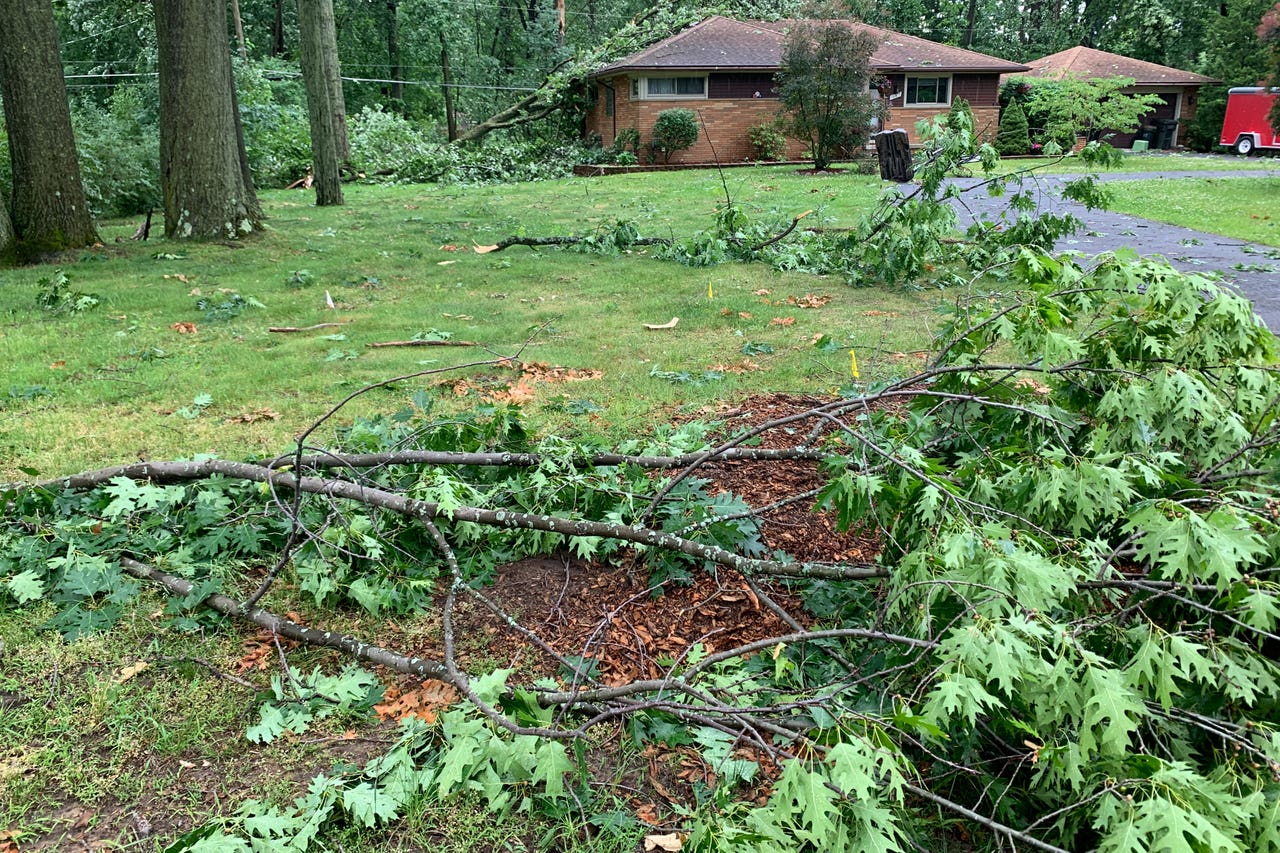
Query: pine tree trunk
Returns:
{"type": "Point", "coordinates": [49, 209]}
{"type": "Point", "coordinates": [319, 51]}
{"type": "Point", "coordinates": [204, 174]}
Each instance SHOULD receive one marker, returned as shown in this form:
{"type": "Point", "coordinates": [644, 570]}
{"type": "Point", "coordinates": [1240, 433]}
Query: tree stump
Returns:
{"type": "Point", "coordinates": [894, 150]}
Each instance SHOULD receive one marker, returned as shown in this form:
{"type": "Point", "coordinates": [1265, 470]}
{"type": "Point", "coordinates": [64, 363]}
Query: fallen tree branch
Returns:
{"type": "Point", "coordinates": [174, 472]}
{"type": "Point", "coordinates": [418, 343]}
{"type": "Point", "coordinates": [782, 234]}
{"type": "Point", "coordinates": [531, 460]}
{"type": "Point", "coordinates": [290, 629]}
{"type": "Point", "coordinates": [534, 242]}
{"type": "Point", "coordinates": [307, 328]}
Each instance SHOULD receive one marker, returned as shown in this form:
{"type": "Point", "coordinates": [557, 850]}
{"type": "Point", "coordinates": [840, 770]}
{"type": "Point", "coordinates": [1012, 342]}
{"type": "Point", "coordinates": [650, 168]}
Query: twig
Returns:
{"type": "Point", "coordinates": [308, 328]}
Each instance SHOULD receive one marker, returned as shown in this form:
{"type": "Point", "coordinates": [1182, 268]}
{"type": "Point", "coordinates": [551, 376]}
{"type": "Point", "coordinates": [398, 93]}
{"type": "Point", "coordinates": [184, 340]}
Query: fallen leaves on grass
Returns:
{"type": "Point", "coordinates": [782, 321]}
{"type": "Point", "coordinates": [260, 648]}
{"type": "Point", "coordinates": [672, 842]}
{"type": "Point", "coordinates": [540, 372]}
{"type": "Point", "coordinates": [254, 416]}
{"type": "Point", "coordinates": [130, 671]}
{"type": "Point", "coordinates": [425, 702]}
{"type": "Point", "coordinates": [185, 328]}
{"type": "Point", "coordinates": [746, 365]}
{"type": "Point", "coordinates": [178, 277]}
{"type": "Point", "coordinates": [809, 300]}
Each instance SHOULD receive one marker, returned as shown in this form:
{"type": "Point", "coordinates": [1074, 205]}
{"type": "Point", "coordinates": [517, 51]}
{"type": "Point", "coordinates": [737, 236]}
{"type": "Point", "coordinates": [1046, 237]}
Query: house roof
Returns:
{"type": "Point", "coordinates": [720, 43]}
{"type": "Point", "coordinates": [1089, 63]}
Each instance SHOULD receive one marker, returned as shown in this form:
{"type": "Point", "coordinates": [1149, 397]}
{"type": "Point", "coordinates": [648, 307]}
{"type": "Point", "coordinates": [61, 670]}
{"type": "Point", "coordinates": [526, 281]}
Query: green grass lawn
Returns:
{"type": "Point", "coordinates": [1243, 208]}
{"type": "Point", "coordinates": [1151, 161]}
{"type": "Point", "coordinates": [120, 381]}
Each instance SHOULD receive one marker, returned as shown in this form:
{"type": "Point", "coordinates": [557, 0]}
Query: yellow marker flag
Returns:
{"type": "Point", "coordinates": [853, 364]}
{"type": "Point", "coordinates": [711, 294]}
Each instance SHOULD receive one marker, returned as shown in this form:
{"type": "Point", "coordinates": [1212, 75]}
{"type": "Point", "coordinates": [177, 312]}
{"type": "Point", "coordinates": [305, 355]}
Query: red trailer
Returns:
{"type": "Point", "coordinates": [1245, 127]}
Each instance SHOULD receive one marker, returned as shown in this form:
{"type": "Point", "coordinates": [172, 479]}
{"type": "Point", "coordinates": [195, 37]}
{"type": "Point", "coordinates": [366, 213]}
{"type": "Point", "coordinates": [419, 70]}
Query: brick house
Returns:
{"type": "Point", "coordinates": [724, 70]}
{"type": "Point", "coordinates": [1178, 89]}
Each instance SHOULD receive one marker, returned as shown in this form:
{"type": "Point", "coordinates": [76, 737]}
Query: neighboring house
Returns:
{"type": "Point", "coordinates": [1178, 89]}
{"type": "Point", "coordinates": [724, 69]}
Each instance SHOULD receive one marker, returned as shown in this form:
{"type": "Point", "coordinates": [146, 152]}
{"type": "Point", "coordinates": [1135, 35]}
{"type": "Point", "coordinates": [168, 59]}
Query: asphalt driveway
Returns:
{"type": "Point", "coordinates": [1251, 268]}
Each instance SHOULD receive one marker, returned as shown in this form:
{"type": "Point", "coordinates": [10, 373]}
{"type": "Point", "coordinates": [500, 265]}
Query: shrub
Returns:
{"type": "Point", "coordinates": [769, 141]}
{"type": "Point", "coordinates": [674, 130]}
{"type": "Point", "coordinates": [119, 149]}
{"type": "Point", "coordinates": [277, 133]}
{"type": "Point", "coordinates": [1015, 136]}
{"type": "Point", "coordinates": [386, 146]}
{"type": "Point", "coordinates": [627, 141]}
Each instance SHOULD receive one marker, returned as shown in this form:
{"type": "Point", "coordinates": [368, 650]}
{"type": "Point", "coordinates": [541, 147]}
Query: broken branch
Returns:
{"type": "Point", "coordinates": [418, 343]}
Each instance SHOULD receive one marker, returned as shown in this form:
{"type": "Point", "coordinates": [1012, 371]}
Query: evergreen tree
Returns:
{"type": "Point", "coordinates": [1015, 135]}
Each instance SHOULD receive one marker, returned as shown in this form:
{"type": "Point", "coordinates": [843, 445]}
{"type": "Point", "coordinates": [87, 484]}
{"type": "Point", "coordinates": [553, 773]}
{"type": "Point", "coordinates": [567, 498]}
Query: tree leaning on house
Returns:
{"type": "Point", "coordinates": [824, 85]}
{"type": "Point", "coordinates": [204, 171]}
{"type": "Point", "coordinates": [49, 211]}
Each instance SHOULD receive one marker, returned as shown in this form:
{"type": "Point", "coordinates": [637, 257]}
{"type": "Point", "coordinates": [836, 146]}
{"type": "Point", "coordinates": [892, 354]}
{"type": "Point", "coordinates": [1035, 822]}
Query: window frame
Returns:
{"type": "Point", "coordinates": [906, 90]}
{"type": "Point", "coordinates": [640, 88]}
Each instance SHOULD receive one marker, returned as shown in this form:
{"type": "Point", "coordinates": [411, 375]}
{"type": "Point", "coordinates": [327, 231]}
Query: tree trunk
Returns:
{"type": "Point", "coordinates": [970, 21]}
{"type": "Point", "coordinates": [49, 209]}
{"type": "Point", "coordinates": [204, 173]}
{"type": "Point", "coordinates": [319, 50]}
{"type": "Point", "coordinates": [450, 117]}
{"type": "Point", "coordinates": [337, 100]}
{"type": "Point", "coordinates": [277, 30]}
{"type": "Point", "coordinates": [7, 238]}
{"type": "Point", "coordinates": [238, 24]}
{"type": "Point", "coordinates": [393, 52]}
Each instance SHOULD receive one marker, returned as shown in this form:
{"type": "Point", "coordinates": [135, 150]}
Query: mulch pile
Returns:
{"type": "Point", "coordinates": [632, 630]}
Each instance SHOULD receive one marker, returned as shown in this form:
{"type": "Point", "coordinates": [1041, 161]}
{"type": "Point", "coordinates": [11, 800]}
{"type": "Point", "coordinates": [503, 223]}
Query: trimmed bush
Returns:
{"type": "Point", "coordinates": [1015, 135]}
{"type": "Point", "coordinates": [769, 141]}
{"type": "Point", "coordinates": [675, 130]}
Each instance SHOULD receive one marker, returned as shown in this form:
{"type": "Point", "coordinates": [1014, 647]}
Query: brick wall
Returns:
{"type": "Point", "coordinates": [728, 120]}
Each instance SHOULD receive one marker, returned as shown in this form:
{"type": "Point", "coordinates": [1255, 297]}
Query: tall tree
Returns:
{"type": "Point", "coordinates": [49, 208]}
{"type": "Point", "coordinates": [319, 48]}
{"type": "Point", "coordinates": [204, 173]}
{"type": "Point", "coordinates": [1231, 54]}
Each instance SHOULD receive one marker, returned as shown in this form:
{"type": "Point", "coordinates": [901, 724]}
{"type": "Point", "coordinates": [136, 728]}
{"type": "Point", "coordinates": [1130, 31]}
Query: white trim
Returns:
{"type": "Point", "coordinates": [906, 84]}
{"type": "Point", "coordinates": [640, 88]}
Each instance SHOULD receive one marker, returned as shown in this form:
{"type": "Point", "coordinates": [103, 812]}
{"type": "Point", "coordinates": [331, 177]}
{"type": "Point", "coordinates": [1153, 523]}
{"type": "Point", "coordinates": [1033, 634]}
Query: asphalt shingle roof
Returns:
{"type": "Point", "coordinates": [1089, 63]}
{"type": "Point", "coordinates": [722, 43]}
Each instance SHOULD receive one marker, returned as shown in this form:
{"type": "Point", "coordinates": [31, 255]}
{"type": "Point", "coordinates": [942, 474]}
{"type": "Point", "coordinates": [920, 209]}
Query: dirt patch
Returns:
{"type": "Point", "coordinates": [630, 628]}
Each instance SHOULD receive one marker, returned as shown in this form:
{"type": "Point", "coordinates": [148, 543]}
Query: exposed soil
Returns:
{"type": "Point", "coordinates": [615, 617]}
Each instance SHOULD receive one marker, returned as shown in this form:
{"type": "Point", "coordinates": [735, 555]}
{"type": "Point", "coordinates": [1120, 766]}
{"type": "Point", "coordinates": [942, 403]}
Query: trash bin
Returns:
{"type": "Point", "coordinates": [1146, 133]}
{"type": "Point", "coordinates": [1165, 130]}
{"type": "Point", "coordinates": [1140, 145]}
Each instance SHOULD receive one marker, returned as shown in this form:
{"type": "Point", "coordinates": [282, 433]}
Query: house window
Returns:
{"type": "Point", "coordinates": [928, 91]}
{"type": "Point", "coordinates": [643, 88]}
